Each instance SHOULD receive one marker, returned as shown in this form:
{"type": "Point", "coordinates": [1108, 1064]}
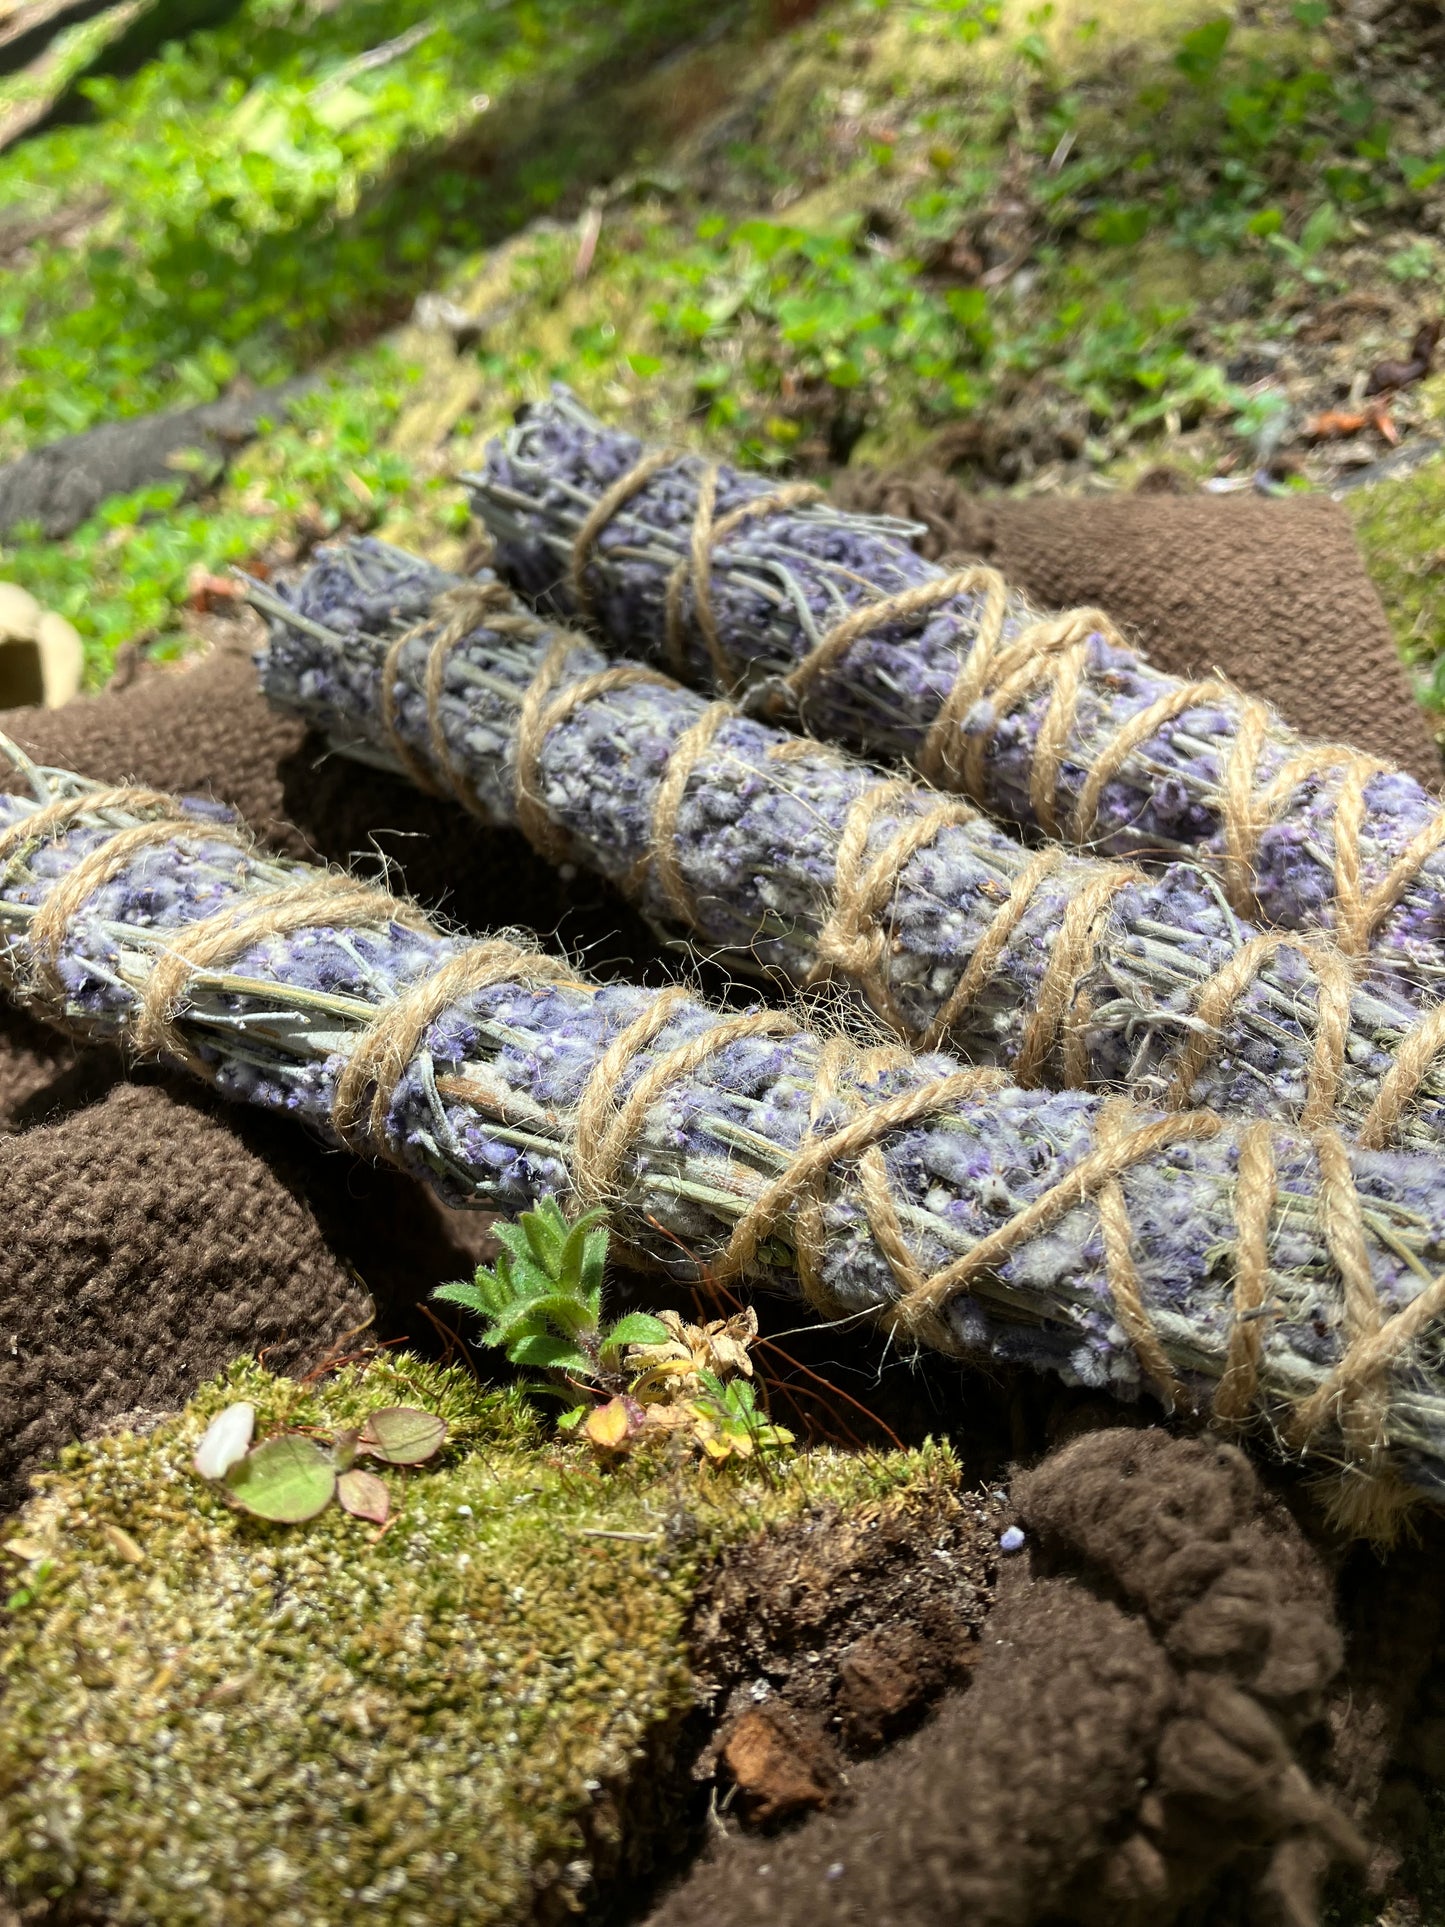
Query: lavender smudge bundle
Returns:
{"type": "Point", "coordinates": [1277, 1274]}
{"type": "Point", "coordinates": [1050, 723]}
{"type": "Point", "coordinates": [793, 859]}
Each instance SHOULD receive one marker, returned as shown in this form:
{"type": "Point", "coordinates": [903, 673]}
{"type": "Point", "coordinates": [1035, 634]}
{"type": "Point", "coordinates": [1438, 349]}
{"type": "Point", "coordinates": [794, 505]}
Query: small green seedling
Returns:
{"type": "Point", "coordinates": [730, 1423]}
{"type": "Point", "coordinates": [542, 1305]}
{"type": "Point", "coordinates": [291, 1478]}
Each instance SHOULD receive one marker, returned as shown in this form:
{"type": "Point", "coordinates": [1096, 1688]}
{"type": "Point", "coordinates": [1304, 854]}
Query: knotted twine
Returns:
{"type": "Point", "coordinates": [1049, 656]}
{"type": "Point", "coordinates": [637, 1069]}
{"type": "Point", "coordinates": [854, 939]}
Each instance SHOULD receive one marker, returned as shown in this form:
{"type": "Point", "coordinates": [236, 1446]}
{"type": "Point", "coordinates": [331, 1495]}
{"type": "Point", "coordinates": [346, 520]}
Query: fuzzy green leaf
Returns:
{"type": "Point", "coordinates": [522, 1314]}
{"type": "Point", "coordinates": [469, 1296]}
{"type": "Point", "coordinates": [637, 1328]}
{"type": "Point", "coordinates": [568, 1271]}
{"type": "Point", "coordinates": [516, 1249]}
{"type": "Point", "coordinates": [594, 1263]}
{"type": "Point", "coordinates": [546, 1231]}
{"type": "Point", "coordinates": [566, 1313]}
{"type": "Point", "coordinates": [549, 1353]}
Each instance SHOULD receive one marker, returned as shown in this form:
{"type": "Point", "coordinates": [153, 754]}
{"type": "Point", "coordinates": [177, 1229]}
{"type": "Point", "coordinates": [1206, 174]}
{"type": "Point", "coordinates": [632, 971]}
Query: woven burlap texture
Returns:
{"type": "Point", "coordinates": [152, 1235]}
{"type": "Point", "coordinates": [1130, 1743]}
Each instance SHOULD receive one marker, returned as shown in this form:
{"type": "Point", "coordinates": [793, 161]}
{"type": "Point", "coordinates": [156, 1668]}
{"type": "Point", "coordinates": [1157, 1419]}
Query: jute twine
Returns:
{"type": "Point", "coordinates": [854, 940]}
{"type": "Point", "coordinates": [1049, 657]}
{"type": "Point", "coordinates": [640, 1067]}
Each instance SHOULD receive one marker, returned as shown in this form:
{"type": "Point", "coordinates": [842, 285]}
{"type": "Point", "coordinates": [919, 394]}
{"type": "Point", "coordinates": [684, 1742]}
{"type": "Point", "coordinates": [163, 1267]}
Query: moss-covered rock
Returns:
{"type": "Point", "coordinates": [474, 1714]}
{"type": "Point", "coordinates": [1400, 522]}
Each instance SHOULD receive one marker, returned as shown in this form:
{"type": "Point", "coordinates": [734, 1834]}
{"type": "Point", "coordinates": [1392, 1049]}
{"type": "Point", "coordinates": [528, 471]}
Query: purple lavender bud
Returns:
{"type": "Point", "coordinates": [756, 841]}
{"type": "Point", "coordinates": [488, 1100]}
{"type": "Point", "coordinates": [780, 582]}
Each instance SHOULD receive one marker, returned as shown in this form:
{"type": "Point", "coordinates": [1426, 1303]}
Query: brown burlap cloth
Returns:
{"type": "Point", "coordinates": [1141, 1742]}
{"type": "Point", "coordinates": [1272, 593]}
{"type": "Point", "coordinates": [152, 1236]}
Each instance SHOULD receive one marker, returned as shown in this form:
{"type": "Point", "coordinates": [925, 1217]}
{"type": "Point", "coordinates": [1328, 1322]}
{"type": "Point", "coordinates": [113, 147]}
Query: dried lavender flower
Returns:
{"type": "Point", "coordinates": [749, 843]}
{"type": "Point", "coordinates": [1282, 1271]}
{"type": "Point", "coordinates": [1054, 725]}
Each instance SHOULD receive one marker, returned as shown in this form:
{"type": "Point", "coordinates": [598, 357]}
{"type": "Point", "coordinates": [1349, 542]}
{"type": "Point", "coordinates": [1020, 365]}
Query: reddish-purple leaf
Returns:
{"type": "Point", "coordinates": [364, 1496]}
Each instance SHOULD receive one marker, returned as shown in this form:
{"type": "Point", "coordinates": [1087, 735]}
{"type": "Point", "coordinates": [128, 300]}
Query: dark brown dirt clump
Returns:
{"type": "Point", "coordinates": [859, 1623]}
{"type": "Point", "coordinates": [1145, 1706]}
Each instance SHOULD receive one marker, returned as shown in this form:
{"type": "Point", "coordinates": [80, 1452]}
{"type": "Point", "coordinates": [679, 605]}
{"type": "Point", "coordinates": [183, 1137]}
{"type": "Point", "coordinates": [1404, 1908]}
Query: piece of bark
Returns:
{"type": "Point", "coordinates": [63, 483]}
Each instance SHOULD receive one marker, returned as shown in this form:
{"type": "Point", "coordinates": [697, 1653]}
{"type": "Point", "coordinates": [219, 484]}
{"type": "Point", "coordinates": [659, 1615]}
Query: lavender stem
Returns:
{"type": "Point", "coordinates": [702, 1144]}
{"type": "Point", "coordinates": [756, 842]}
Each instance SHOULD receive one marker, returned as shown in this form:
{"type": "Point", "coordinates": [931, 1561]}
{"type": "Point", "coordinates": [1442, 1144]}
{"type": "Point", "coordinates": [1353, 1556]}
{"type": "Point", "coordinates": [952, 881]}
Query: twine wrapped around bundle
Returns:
{"type": "Point", "coordinates": [1253, 1271]}
{"type": "Point", "coordinates": [794, 860]}
{"type": "Point", "coordinates": [1050, 722]}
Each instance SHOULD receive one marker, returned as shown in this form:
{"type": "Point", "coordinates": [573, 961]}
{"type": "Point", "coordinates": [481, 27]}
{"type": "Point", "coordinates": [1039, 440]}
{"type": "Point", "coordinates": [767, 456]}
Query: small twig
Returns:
{"type": "Point", "coordinates": [605, 1532]}
{"type": "Point", "coordinates": [367, 63]}
{"type": "Point", "coordinates": [589, 231]}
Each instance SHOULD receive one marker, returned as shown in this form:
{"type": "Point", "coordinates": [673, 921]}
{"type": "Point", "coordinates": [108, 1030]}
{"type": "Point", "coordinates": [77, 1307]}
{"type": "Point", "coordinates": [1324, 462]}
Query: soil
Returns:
{"type": "Point", "coordinates": [836, 1635]}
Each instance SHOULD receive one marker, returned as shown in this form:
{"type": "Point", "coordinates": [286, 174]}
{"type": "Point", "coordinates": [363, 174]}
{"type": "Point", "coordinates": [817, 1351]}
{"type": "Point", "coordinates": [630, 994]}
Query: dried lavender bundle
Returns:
{"type": "Point", "coordinates": [1050, 723]}
{"type": "Point", "coordinates": [1279, 1273]}
{"type": "Point", "coordinates": [792, 858]}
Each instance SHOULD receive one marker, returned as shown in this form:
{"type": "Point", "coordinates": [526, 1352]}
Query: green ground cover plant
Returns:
{"type": "Point", "coordinates": [279, 185]}
{"type": "Point", "coordinates": [877, 307]}
{"type": "Point", "coordinates": [1046, 233]}
{"type": "Point", "coordinates": [126, 571]}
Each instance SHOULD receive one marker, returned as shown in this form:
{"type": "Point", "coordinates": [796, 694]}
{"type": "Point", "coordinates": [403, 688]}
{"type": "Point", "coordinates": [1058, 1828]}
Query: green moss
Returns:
{"type": "Point", "coordinates": [1401, 528]}
{"type": "Point", "coordinates": [827, 269]}
{"type": "Point", "coordinates": [127, 571]}
{"type": "Point", "coordinates": [206, 1718]}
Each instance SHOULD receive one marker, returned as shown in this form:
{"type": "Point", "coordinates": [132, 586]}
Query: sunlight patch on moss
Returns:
{"type": "Point", "coordinates": [940, 42]}
{"type": "Point", "coordinates": [1401, 528]}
